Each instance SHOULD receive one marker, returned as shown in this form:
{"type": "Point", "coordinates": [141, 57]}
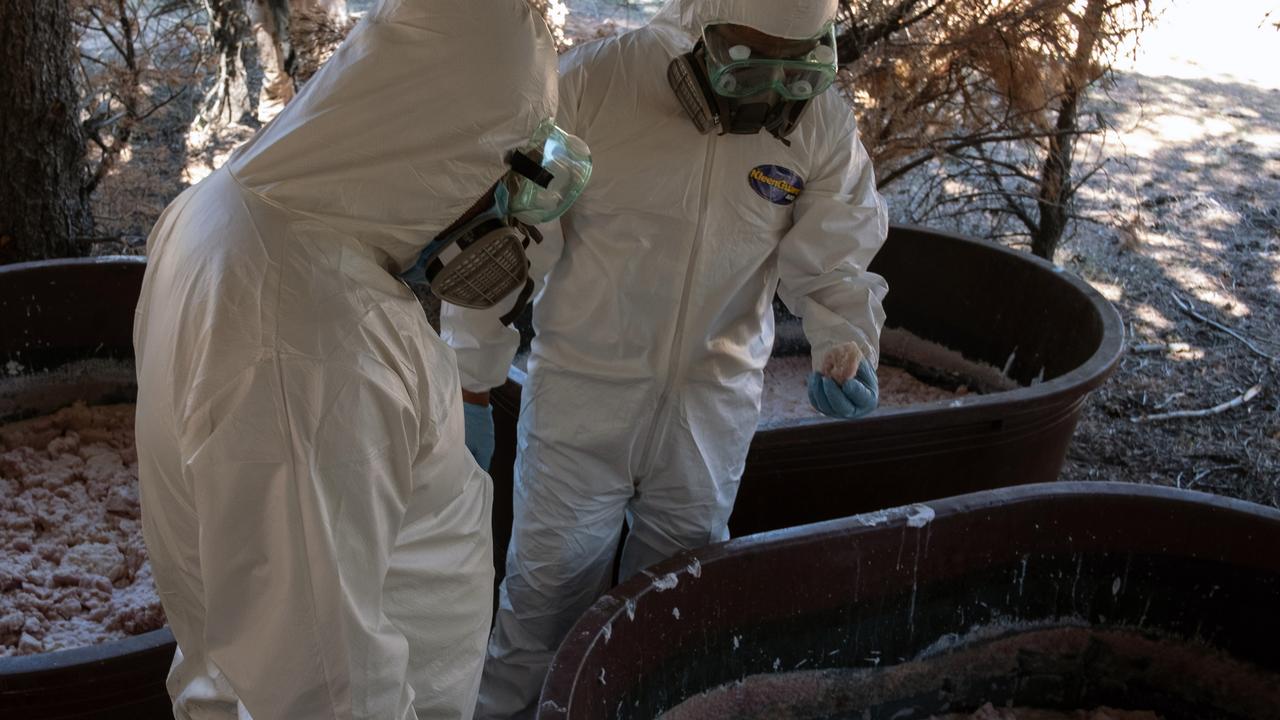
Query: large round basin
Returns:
{"type": "Point", "coordinates": [66, 335]}
{"type": "Point", "coordinates": [1057, 596]}
{"type": "Point", "coordinates": [1051, 332]}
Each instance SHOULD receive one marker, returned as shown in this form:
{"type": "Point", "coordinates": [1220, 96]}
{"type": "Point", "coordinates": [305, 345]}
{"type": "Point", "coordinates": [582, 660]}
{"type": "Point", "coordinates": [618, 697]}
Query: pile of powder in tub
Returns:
{"type": "Point", "coordinates": [785, 378]}
{"type": "Point", "coordinates": [73, 567]}
{"type": "Point", "coordinates": [768, 696]}
{"type": "Point", "coordinates": [966, 667]}
{"type": "Point", "coordinates": [988, 712]}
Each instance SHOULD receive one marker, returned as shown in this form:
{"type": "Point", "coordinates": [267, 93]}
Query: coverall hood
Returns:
{"type": "Point", "coordinates": [794, 20]}
{"type": "Point", "coordinates": [409, 122]}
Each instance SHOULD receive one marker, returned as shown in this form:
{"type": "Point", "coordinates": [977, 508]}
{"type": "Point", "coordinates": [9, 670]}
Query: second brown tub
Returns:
{"type": "Point", "coordinates": [1062, 597]}
{"type": "Point", "coordinates": [1051, 332]}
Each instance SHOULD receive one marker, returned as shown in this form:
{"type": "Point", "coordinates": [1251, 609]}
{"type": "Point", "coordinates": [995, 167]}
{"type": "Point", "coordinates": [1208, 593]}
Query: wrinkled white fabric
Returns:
{"type": "Point", "coordinates": [794, 20]}
{"type": "Point", "coordinates": [319, 532]}
{"type": "Point", "coordinates": [655, 323]}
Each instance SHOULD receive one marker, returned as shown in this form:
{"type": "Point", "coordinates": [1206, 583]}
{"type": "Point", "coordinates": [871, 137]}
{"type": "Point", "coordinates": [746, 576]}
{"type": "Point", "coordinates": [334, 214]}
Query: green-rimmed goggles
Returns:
{"type": "Point", "coordinates": [479, 260]}
{"type": "Point", "coordinates": [548, 174]}
{"type": "Point", "coordinates": [737, 70]}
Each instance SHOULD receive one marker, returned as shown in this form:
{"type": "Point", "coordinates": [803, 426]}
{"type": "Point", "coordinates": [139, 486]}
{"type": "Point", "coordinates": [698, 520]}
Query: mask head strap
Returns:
{"type": "Point", "coordinates": [530, 168]}
{"type": "Point", "coordinates": [521, 301]}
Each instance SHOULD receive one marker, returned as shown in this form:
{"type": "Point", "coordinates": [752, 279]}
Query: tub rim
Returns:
{"type": "Point", "coordinates": [1073, 385]}
{"type": "Point", "coordinates": [1069, 388]}
{"type": "Point", "coordinates": [73, 262]}
{"type": "Point", "coordinates": [567, 664]}
{"type": "Point", "coordinates": [18, 666]}
{"type": "Point", "coordinates": [1086, 377]}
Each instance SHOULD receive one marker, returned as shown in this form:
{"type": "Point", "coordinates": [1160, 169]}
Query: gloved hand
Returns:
{"type": "Point", "coordinates": [854, 398]}
{"type": "Point", "coordinates": [479, 423]}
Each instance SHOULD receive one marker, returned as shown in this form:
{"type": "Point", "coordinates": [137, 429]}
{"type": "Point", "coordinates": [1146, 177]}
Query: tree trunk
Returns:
{"type": "Point", "coordinates": [43, 208]}
{"type": "Point", "coordinates": [228, 101]}
{"type": "Point", "coordinates": [1055, 179]}
{"type": "Point", "coordinates": [1056, 189]}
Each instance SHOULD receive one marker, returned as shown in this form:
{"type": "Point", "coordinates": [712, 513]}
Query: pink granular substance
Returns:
{"type": "Point", "coordinates": [74, 569]}
{"type": "Point", "coordinates": [786, 390]}
{"type": "Point", "coordinates": [790, 696]}
{"type": "Point", "coordinates": [989, 712]}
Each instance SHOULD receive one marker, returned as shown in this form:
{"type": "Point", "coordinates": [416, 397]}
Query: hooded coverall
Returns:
{"type": "Point", "coordinates": [319, 533]}
{"type": "Point", "coordinates": [655, 321]}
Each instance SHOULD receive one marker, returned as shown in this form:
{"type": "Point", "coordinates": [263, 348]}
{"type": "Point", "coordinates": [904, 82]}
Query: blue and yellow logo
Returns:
{"type": "Point", "coordinates": [775, 183]}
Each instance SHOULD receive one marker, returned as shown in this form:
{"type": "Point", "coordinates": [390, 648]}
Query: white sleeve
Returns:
{"type": "Point", "coordinates": [840, 222]}
{"type": "Point", "coordinates": [301, 473]}
{"type": "Point", "coordinates": [483, 345]}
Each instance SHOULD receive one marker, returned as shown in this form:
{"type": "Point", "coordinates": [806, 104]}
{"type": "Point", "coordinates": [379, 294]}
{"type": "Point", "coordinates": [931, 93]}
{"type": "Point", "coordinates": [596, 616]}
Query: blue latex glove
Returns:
{"type": "Point", "coordinates": [479, 421]}
{"type": "Point", "coordinates": [858, 396]}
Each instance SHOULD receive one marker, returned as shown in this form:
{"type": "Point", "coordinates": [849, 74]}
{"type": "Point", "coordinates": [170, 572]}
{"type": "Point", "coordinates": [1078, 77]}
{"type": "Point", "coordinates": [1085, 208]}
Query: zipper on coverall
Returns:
{"type": "Point", "coordinates": [677, 342]}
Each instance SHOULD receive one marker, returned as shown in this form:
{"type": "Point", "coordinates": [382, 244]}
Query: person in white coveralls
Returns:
{"type": "Point", "coordinates": [319, 533]}
{"type": "Point", "coordinates": [726, 167]}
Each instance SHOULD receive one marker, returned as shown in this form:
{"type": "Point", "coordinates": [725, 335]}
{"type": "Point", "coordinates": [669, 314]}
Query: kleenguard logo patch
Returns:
{"type": "Point", "coordinates": [775, 183]}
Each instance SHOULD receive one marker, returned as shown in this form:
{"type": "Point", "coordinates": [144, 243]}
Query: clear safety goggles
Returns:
{"type": "Point", "coordinates": [548, 174]}
{"type": "Point", "coordinates": [736, 70]}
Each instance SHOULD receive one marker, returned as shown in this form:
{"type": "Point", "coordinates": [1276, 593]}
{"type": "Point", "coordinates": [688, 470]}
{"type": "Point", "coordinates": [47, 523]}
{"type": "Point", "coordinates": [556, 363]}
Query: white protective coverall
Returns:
{"type": "Point", "coordinates": [320, 534]}
{"type": "Point", "coordinates": [655, 323]}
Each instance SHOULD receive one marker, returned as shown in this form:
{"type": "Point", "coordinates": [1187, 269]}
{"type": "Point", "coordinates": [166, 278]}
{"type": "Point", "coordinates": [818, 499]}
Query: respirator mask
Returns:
{"type": "Point", "coordinates": [479, 261]}
{"type": "Point", "coordinates": [724, 82]}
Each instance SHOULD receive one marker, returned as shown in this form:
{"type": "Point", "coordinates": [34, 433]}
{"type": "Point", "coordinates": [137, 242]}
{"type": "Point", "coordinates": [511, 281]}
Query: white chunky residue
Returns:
{"type": "Point", "coordinates": [666, 582]}
{"type": "Point", "coordinates": [872, 519]}
{"type": "Point", "coordinates": [919, 515]}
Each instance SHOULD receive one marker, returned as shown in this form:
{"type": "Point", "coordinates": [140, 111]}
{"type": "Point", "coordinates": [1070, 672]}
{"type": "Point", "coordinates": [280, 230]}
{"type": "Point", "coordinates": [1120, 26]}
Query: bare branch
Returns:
{"type": "Point", "coordinates": [105, 30]}
{"type": "Point", "coordinates": [1186, 308]}
{"type": "Point", "coordinates": [161, 104]}
{"type": "Point", "coordinates": [1236, 402]}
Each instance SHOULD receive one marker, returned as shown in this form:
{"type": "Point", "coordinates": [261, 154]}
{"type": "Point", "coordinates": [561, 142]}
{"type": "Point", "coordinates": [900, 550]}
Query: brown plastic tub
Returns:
{"type": "Point", "coordinates": [994, 305]}
{"type": "Point", "coordinates": [1058, 336]}
{"type": "Point", "coordinates": [1060, 596]}
{"type": "Point", "coordinates": [65, 335]}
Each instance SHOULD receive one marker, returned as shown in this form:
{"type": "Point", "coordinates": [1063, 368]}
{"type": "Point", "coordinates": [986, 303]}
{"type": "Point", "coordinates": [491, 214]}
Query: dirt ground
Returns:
{"type": "Point", "coordinates": [1191, 215]}
{"type": "Point", "coordinates": [1185, 241]}
{"type": "Point", "coordinates": [1188, 211]}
